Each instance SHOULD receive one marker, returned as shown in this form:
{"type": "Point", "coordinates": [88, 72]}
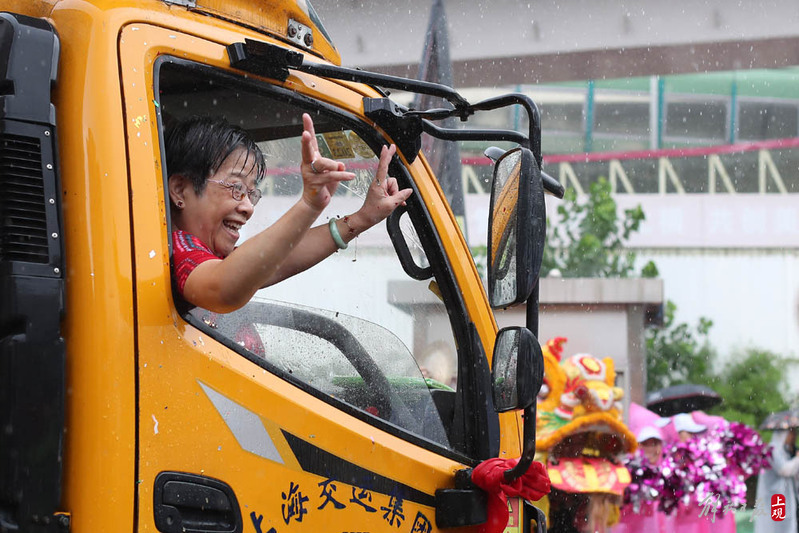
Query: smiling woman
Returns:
{"type": "Point", "coordinates": [204, 150]}
{"type": "Point", "coordinates": [209, 269]}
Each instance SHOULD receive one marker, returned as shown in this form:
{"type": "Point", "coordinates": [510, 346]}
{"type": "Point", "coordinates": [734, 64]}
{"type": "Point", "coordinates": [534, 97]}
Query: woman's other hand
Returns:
{"type": "Point", "coordinates": [383, 196]}
{"type": "Point", "coordinates": [320, 175]}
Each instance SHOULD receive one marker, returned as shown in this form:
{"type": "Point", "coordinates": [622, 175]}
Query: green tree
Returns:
{"type": "Point", "coordinates": [753, 386]}
{"type": "Point", "coordinates": [587, 236]}
{"type": "Point", "coordinates": [679, 353]}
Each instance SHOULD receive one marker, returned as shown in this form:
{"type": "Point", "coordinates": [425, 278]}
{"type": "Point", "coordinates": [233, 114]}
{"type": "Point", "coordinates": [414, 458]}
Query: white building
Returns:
{"type": "Point", "coordinates": [722, 224]}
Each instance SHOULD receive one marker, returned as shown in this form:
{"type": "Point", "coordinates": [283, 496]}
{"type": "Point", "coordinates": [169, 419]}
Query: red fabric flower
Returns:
{"type": "Point", "coordinates": [490, 476]}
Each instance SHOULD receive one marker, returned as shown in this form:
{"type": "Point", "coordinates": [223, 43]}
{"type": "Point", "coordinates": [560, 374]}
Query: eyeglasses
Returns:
{"type": "Point", "coordinates": [238, 191]}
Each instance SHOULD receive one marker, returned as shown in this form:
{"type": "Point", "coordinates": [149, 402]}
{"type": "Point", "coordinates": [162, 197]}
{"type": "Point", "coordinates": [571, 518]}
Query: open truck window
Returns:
{"type": "Point", "coordinates": [355, 329]}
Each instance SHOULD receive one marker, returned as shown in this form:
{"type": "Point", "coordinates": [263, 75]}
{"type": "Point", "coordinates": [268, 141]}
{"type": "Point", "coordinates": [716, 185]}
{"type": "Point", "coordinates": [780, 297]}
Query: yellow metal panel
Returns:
{"type": "Point", "coordinates": [31, 8]}
{"type": "Point", "coordinates": [273, 17]}
{"type": "Point", "coordinates": [99, 323]}
{"type": "Point", "coordinates": [264, 16]}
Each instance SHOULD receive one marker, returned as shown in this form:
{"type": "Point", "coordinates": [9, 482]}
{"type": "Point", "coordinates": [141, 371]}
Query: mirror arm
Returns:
{"type": "Point", "coordinates": [387, 81]}
{"type": "Point", "coordinates": [551, 185]}
{"type": "Point", "coordinates": [275, 61]}
{"type": "Point", "coordinates": [528, 443]}
{"type": "Point", "coordinates": [532, 309]}
{"type": "Point", "coordinates": [528, 451]}
{"type": "Point", "coordinates": [533, 116]}
{"type": "Point", "coordinates": [452, 134]}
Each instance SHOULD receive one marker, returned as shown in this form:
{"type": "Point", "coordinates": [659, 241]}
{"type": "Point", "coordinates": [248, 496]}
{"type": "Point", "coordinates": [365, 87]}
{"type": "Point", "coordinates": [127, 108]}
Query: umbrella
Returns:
{"type": "Point", "coordinates": [641, 417]}
{"type": "Point", "coordinates": [782, 420]}
{"type": "Point", "coordinates": [682, 399]}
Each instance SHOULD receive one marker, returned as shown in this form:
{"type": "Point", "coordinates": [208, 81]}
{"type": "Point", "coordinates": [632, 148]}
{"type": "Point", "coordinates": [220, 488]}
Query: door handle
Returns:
{"type": "Point", "coordinates": [188, 503]}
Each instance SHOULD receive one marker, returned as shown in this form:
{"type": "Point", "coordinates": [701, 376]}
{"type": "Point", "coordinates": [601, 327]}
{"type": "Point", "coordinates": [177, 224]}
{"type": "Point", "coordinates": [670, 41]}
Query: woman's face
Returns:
{"type": "Point", "coordinates": [214, 216]}
{"type": "Point", "coordinates": [652, 449]}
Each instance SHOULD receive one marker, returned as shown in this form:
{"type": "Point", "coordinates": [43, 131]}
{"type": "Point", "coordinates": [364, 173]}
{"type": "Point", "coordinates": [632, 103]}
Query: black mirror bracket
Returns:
{"type": "Point", "coordinates": [528, 451]}
{"type": "Point", "coordinates": [274, 61]}
{"type": "Point", "coordinates": [406, 130]}
{"type": "Point", "coordinates": [263, 59]}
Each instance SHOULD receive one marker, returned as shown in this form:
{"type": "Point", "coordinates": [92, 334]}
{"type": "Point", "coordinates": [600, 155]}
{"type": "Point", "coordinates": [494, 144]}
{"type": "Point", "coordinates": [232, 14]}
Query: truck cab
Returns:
{"type": "Point", "coordinates": [354, 396]}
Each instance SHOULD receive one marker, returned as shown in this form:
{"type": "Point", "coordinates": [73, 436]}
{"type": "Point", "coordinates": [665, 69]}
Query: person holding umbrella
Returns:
{"type": "Point", "coordinates": [686, 427]}
{"type": "Point", "coordinates": [783, 476]}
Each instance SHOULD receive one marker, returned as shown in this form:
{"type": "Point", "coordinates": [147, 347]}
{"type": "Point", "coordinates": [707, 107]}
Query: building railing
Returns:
{"type": "Point", "coordinates": [765, 167]}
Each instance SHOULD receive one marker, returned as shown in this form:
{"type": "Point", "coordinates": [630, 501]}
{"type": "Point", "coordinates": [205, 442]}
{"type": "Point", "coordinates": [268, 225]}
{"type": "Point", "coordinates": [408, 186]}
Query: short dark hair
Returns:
{"type": "Point", "coordinates": [197, 146]}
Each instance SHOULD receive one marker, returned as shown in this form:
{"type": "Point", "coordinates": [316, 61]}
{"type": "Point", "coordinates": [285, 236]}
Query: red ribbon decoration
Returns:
{"type": "Point", "coordinates": [490, 476]}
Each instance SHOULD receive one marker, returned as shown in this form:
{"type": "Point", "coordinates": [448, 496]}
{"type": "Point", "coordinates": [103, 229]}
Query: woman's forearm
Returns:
{"type": "Point", "coordinates": [317, 245]}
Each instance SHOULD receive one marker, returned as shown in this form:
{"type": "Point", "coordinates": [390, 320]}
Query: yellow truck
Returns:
{"type": "Point", "coordinates": [124, 409]}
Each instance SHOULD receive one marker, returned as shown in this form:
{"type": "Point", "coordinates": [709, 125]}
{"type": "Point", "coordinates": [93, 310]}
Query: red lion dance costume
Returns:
{"type": "Point", "coordinates": [581, 439]}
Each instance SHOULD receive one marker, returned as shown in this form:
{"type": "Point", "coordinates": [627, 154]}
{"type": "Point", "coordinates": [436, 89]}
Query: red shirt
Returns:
{"type": "Point", "coordinates": [187, 253]}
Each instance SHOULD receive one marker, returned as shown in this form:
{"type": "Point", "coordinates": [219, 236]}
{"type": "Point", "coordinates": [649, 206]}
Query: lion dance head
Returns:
{"type": "Point", "coordinates": [580, 435]}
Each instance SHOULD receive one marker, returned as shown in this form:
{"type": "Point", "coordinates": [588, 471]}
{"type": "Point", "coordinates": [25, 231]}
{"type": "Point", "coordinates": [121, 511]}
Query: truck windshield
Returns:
{"type": "Point", "coordinates": [345, 357]}
{"type": "Point", "coordinates": [355, 329]}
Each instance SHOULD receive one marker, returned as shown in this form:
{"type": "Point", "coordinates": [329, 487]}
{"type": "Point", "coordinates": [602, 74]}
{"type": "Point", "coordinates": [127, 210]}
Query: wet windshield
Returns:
{"type": "Point", "coordinates": [357, 361]}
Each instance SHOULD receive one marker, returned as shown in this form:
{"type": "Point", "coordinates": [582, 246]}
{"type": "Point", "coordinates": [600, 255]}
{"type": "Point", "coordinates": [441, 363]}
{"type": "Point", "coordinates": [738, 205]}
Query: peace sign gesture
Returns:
{"type": "Point", "coordinates": [320, 175]}
{"type": "Point", "coordinates": [384, 194]}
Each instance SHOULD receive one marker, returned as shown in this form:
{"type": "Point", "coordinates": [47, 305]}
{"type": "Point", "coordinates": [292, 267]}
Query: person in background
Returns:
{"type": "Point", "coordinates": [647, 518]}
{"type": "Point", "coordinates": [214, 169]}
{"type": "Point", "coordinates": [686, 427]}
{"type": "Point", "coordinates": [687, 518]}
{"type": "Point", "coordinates": [782, 479]}
{"type": "Point", "coordinates": [650, 439]}
{"type": "Point", "coordinates": [438, 362]}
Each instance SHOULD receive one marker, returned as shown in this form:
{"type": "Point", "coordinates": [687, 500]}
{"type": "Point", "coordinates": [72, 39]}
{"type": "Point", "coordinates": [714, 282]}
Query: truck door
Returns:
{"type": "Point", "coordinates": [308, 409]}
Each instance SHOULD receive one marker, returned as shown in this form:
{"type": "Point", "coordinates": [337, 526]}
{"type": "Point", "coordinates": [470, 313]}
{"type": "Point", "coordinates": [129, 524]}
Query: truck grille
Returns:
{"type": "Point", "coordinates": [23, 235]}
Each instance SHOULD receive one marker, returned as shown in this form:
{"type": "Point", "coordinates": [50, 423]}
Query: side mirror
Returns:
{"type": "Point", "coordinates": [517, 374]}
{"type": "Point", "coordinates": [516, 228]}
{"type": "Point", "coordinates": [517, 370]}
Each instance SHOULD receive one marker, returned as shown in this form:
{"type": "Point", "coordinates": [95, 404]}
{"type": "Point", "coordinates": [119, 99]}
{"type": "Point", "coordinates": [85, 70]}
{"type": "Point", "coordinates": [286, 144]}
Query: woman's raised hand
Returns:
{"type": "Point", "coordinates": [320, 175]}
{"type": "Point", "coordinates": [384, 194]}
